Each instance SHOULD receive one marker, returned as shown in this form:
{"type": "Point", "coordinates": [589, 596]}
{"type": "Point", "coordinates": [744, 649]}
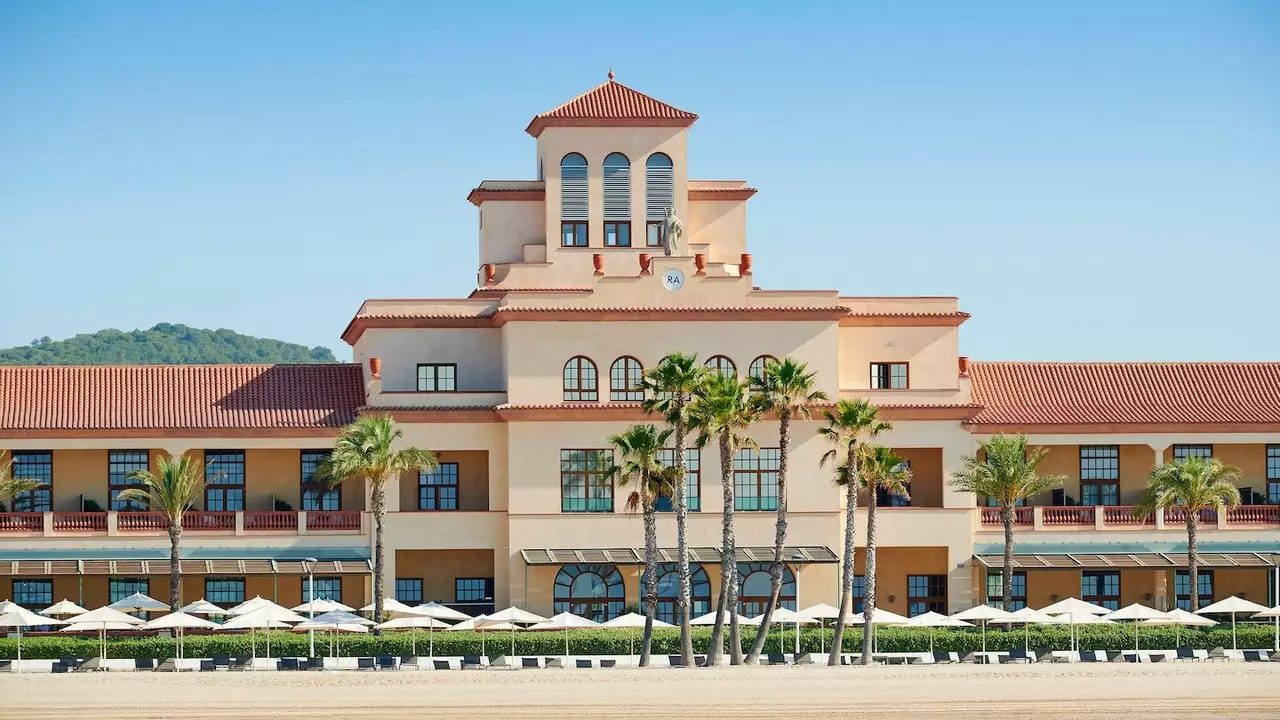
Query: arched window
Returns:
{"type": "Point", "coordinates": [624, 379]}
{"type": "Point", "coordinates": [669, 592]}
{"type": "Point", "coordinates": [659, 194]}
{"type": "Point", "coordinates": [722, 365]}
{"type": "Point", "coordinates": [617, 201]}
{"type": "Point", "coordinates": [756, 370]}
{"type": "Point", "coordinates": [573, 201]}
{"type": "Point", "coordinates": [580, 379]}
{"type": "Point", "coordinates": [592, 591]}
{"type": "Point", "coordinates": [756, 585]}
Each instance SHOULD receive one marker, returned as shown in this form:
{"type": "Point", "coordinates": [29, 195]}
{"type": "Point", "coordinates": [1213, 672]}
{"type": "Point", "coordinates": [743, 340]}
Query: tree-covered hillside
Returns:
{"type": "Point", "coordinates": [164, 344]}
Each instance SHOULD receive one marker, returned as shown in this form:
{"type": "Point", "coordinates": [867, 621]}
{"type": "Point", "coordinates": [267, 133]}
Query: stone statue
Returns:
{"type": "Point", "coordinates": [672, 232]}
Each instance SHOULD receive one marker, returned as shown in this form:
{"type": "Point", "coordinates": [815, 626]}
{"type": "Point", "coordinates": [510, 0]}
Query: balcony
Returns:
{"type": "Point", "coordinates": [1122, 517]}
{"type": "Point", "coordinates": [126, 524]}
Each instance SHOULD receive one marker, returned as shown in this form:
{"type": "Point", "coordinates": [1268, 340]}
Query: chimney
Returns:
{"type": "Point", "coordinates": [744, 267]}
{"type": "Point", "coordinates": [964, 366]}
{"type": "Point", "coordinates": [373, 383]}
{"type": "Point", "coordinates": [375, 368]}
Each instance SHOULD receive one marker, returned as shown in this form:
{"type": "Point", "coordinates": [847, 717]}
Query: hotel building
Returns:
{"type": "Point", "coordinates": [519, 385]}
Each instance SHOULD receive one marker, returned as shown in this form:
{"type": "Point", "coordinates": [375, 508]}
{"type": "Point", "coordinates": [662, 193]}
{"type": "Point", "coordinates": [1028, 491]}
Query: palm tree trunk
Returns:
{"type": "Point", "coordinates": [728, 555]}
{"type": "Point", "coordinates": [650, 575]}
{"type": "Point", "coordinates": [779, 539]}
{"type": "Point", "coordinates": [869, 603]}
{"type": "Point", "coordinates": [1193, 557]}
{"type": "Point", "coordinates": [175, 578]}
{"type": "Point", "coordinates": [379, 501]}
{"type": "Point", "coordinates": [682, 543]}
{"type": "Point", "coordinates": [846, 565]}
{"type": "Point", "coordinates": [1006, 579]}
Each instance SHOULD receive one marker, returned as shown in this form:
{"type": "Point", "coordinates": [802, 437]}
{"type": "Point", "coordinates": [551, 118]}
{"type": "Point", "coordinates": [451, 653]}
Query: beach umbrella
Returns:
{"type": "Point", "coordinates": [336, 621]}
{"type": "Point", "coordinates": [1177, 618]}
{"type": "Point", "coordinates": [202, 607]}
{"type": "Point", "coordinates": [319, 606]}
{"type": "Point", "coordinates": [63, 607]}
{"type": "Point", "coordinates": [710, 619]}
{"type": "Point", "coordinates": [20, 617]}
{"type": "Point", "coordinates": [412, 623]}
{"type": "Point", "coordinates": [565, 621]}
{"type": "Point", "coordinates": [139, 602]}
{"type": "Point", "coordinates": [783, 616]}
{"type": "Point", "coordinates": [822, 612]}
{"type": "Point", "coordinates": [983, 614]}
{"type": "Point", "coordinates": [394, 608]}
{"type": "Point", "coordinates": [7, 606]}
{"type": "Point", "coordinates": [482, 625]}
{"type": "Point", "coordinates": [103, 619]}
{"type": "Point", "coordinates": [1027, 617]}
{"type": "Point", "coordinates": [1135, 612]}
{"type": "Point", "coordinates": [633, 621]}
{"type": "Point", "coordinates": [513, 616]}
{"type": "Point", "coordinates": [933, 621]}
{"type": "Point", "coordinates": [1074, 606]}
{"type": "Point", "coordinates": [1080, 618]}
{"type": "Point", "coordinates": [1274, 614]}
{"type": "Point", "coordinates": [256, 602]}
{"type": "Point", "coordinates": [267, 616]}
{"type": "Point", "coordinates": [440, 612]}
{"type": "Point", "coordinates": [178, 622]}
{"type": "Point", "coordinates": [1232, 606]}
{"type": "Point", "coordinates": [879, 616]}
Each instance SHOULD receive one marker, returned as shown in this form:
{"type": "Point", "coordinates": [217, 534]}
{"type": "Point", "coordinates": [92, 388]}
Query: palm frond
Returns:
{"type": "Point", "coordinates": [366, 450]}
{"type": "Point", "coordinates": [1006, 472]}
{"type": "Point", "coordinates": [11, 487]}
{"type": "Point", "coordinates": [1193, 483]}
{"type": "Point", "coordinates": [787, 385]}
{"type": "Point", "coordinates": [174, 488]}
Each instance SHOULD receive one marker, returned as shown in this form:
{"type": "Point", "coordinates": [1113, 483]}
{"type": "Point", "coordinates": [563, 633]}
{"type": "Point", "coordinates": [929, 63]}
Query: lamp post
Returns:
{"type": "Point", "coordinates": [311, 603]}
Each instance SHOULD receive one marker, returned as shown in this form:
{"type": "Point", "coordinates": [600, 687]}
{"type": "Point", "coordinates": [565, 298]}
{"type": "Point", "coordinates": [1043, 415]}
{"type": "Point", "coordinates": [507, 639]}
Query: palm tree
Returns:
{"type": "Point", "coordinates": [669, 388]}
{"type": "Point", "coordinates": [364, 451]}
{"type": "Point", "coordinates": [849, 423]}
{"type": "Point", "coordinates": [12, 487]}
{"type": "Point", "coordinates": [636, 461]}
{"type": "Point", "coordinates": [176, 486]}
{"type": "Point", "coordinates": [787, 388]}
{"type": "Point", "coordinates": [1007, 475]}
{"type": "Point", "coordinates": [1193, 484]}
{"type": "Point", "coordinates": [721, 411]}
{"type": "Point", "coordinates": [878, 468]}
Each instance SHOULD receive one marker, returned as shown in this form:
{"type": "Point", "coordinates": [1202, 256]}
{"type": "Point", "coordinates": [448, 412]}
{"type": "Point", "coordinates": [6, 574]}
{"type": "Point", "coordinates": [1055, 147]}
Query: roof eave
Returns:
{"type": "Point", "coordinates": [538, 124]}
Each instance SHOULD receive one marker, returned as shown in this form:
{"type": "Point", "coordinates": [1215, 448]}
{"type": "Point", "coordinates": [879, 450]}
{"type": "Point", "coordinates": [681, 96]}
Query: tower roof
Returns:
{"type": "Point", "coordinates": [611, 104]}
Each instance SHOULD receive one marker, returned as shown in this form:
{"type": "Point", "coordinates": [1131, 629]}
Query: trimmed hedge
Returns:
{"type": "Point", "coordinates": [615, 642]}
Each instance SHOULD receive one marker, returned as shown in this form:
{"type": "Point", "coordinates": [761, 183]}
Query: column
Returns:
{"type": "Point", "coordinates": [1159, 451]}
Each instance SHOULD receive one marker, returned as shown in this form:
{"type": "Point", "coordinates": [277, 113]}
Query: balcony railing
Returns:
{"type": "Point", "coordinates": [1116, 517]}
{"type": "Point", "coordinates": [1069, 515]}
{"type": "Point", "coordinates": [1265, 514]}
{"type": "Point", "coordinates": [1021, 516]}
{"type": "Point", "coordinates": [249, 522]}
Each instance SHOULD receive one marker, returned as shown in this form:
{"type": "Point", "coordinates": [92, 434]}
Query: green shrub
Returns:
{"type": "Point", "coordinates": [666, 641]}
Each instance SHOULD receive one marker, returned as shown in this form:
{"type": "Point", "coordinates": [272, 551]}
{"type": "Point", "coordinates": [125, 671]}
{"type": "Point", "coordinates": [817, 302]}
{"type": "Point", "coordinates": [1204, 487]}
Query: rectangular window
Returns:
{"type": "Point", "coordinates": [33, 594]}
{"type": "Point", "coordinates": [653, 233]}
{"type": "Point", "coordinates": [888, 376]}
{"type": "Point", "coordinates": [224, 591]}
{"type": "Point", "coordinates": [1182, 452]}
{"type": "Point", "coordinates": [926, 593]}
{"type": "Point", "coordinates": [1099, 475]}
{"type": "Point", "coordinates": [755, 479]}
{"type": "Point", "coordinates": [326, 588]}
{"type": "Point", "coordinates": [894, 498]}
{"type": "Point", "coordinates": [317, 495]}
{"type": "Point", "coordinates": [1182, 589]}
{"type": "Point", "coordinates": [224, 480]}
{"type": "Point", "coordinates": [617, 234]}
{"type": "Point", "coordinates": [36, 466]}
{"type": "Point", "coordinates": [692, 479]}
{"type": "Point", "coordinates": [473, 590]}
{"type": "Point", "coordinates": [995, 595]}
{"type": "Point", "coordinates": [120, 464]}
{"type": "Point", "coordinates": [1273, 474]}
{"type": "Point", "coordinates": [859, 592]}
{"type": "Point", "coordinates": [437, 377]}
{"type": "Point", "coordinates": [573, 233]}
{"type": "Point", "coordinates": [1101, 588]}
{"type": "Point", "coordinates": [409, 591]}
{"type": "Point", "coordinates": [438, 489]}
{"type": "Point", "coordinates": [121, 588]}
{"type": "Point", "coordinates": [583, 487]}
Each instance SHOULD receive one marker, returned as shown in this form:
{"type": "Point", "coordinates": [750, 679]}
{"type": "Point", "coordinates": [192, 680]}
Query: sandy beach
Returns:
{"type": "Point", "coordinates": [1186, 690]}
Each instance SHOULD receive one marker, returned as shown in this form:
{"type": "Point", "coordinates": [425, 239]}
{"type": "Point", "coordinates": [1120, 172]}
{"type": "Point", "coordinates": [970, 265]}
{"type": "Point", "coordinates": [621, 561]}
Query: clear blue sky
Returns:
{"type": "Point", "coordinates": [1094, 180]}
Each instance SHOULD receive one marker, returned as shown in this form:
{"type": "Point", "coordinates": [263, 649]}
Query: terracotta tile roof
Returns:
{"type": "Point", "coordinates": [179, 397]}
{"type": "Point", "coordinates": [675, 309]}
{"type": "Point", "coordinates": [1126, 393]}
{"type": "Point", "coordinates": [615, 104]}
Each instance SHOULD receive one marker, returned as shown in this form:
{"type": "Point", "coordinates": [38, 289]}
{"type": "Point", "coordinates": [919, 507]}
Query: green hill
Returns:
{"type": "Point", "coordinates": [164, 344]}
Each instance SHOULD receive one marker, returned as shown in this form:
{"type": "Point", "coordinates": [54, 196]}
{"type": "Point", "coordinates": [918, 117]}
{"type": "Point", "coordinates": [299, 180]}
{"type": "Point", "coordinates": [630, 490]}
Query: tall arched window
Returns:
{"type": "Point", "coordinates": [659, 194]}
{"type": "Point", "coordinates": [592, 591]}
{"type": "Point", "coordinates": [573, 201]}
{"type": "Point", "coordinates": [756, 370]}
{"type": "Point", "coordinates": [624, 379]}
{"type": "Point", "coordinates": [580, 379]}
{"type": "Point", "coordinates": [756, 585]}
{"type": "Point", "coordinates": [722, 365]}
{"type": "Point", "coordinates": [617, 201]}
{"type": "Point", "coordinates": [669, 592]}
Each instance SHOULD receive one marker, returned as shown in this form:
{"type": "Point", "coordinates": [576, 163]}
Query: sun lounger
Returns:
{"type": "Point", "coordinates": [776, 659]}
{"type": "Point", "coordinates": [1016, 655]}
{"type": "Point", "coordinates": [1114, 656]}
{"type": "Point", "coordinates": [553, 662]}
{"type": "Point", "coordinates": [675, 661]}
{"type": "Point", "coordinates": [608, 662]}
{"type": "Point", "coordinates": [471, 661]}
{"type": "Point", "coordinates": [529, 663]}
{"type": "Point", "coordinates": [315, 663]}
{"type": "Point", "coordinates": [1218, 653]}
{"type": "Point", "coordinates": [1092, 656]}
{"type": "Point", "coordinates": [1045, 655]}
{"type": "Point", "coordinates": [580, 663]}
{"type": "Point", "coordinates": [386, 662]}
{"type": "Point", "coordinates": [440, 665]}
{"type": "Point", "coordinates": [1185, 653]}
{"type": "Point", "coordinates": [408, 662]}
{"type": "Point", "coordinates": [366, 663]}
{"type": "Point", "coordinates": [941, 658]}
{"type": "Point", "coordinates": [208, 666]}
{"type": "Point", "coordinates": [1256, 656]}
{"type": "Point", "coordinates": [59, 667]}
{"type": "Point", "coordinates": [287, 664]}
{"type": "Point", "coordinates": [144, 664]}
{"type": "Point", "coordinates": [242, 663]}
{"type": "Point", "coordinates": [1157, 657]}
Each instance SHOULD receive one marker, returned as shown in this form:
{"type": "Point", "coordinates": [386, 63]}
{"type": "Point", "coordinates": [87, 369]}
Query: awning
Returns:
{"type": "Point", "coordinates": [127, 568]}
{"type": "Point", "coordinates": [1102, 561]}
{"type": "Point", "coordinates": [705, 555]}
